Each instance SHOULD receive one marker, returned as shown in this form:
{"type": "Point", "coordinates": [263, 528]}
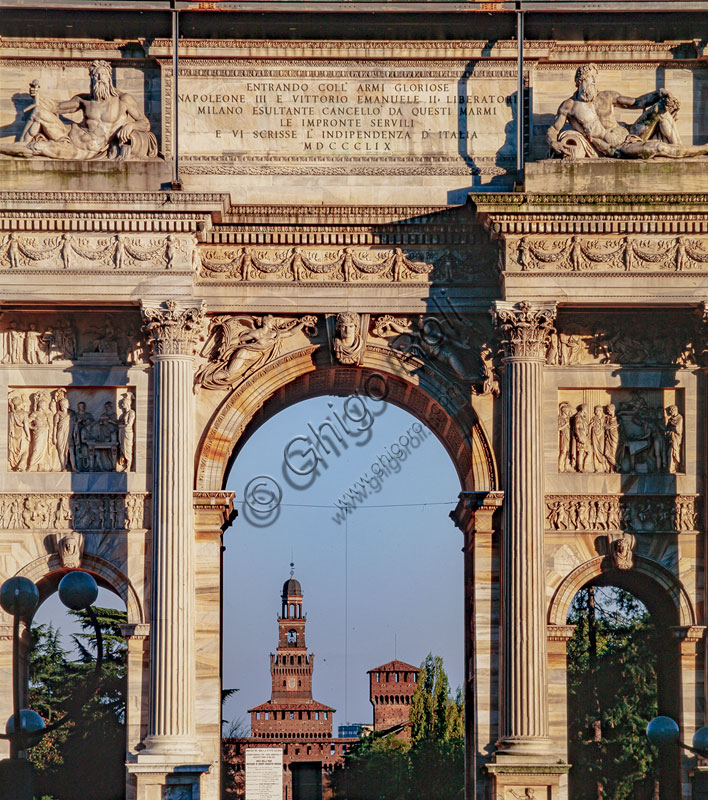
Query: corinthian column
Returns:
{"type": "Point", "coordinates": [523, 723]}
{"type": "Point", "coordinates": [172, 330]}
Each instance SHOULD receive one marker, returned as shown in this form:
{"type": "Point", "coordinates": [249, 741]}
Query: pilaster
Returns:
{"type": "Point", "coordinates": [474, 515]}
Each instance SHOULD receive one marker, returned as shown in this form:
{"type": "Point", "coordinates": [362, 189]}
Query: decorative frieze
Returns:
{"type": "Point", "coordinates": [332, 264]}
{"type": "Point", "coordinates": [637, 253]}
{"type": "Point", "coordinates": [637, 513]}
{"type": "Point", "coordinates": [82, 512]}
{"type": "Point", "coordinates": [85, 252]}
{"type": "Point", "coordinates": [45, 434]}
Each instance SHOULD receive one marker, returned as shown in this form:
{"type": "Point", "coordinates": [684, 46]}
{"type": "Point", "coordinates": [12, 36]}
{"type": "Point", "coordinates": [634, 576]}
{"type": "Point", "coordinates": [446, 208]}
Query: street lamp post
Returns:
{"type": "Point", "coordinates": [663, 732]}
{"type": "Point", "coordinates": [25, 728]}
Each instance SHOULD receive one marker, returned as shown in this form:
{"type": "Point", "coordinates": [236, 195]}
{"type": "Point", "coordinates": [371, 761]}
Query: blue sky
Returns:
{"type": "Point", "coordinates": [384, 580]}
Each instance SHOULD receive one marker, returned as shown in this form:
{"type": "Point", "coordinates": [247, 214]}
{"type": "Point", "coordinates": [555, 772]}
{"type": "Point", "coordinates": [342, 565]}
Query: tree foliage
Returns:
{"type": "Point", "coordinates": [86, 757]}
{"type": "Point", "coordinates": [430, 764]}
{"type": "Point", "coordinates": [612, 695]}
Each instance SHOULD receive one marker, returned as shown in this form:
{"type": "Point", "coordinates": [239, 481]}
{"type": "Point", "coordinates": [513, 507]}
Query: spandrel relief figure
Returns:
{"type": "Point", "coordinates": [112, 126]}
{"type": "Point", "coordinates": [126, 432]}
{"type": "Point", "coordinates": [70, 549]}
{"type": "Point", "coordinates": [595, 132]}
{"type": "Point", "coordinates": [238, 346]}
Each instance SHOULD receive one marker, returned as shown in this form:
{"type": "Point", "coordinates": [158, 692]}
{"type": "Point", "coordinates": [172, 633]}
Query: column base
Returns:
{"type": "Point", "coordinates": [521, 746]}
{"type": "Point", "coordinates": [524, 781]}
{"type": "Point", "coordinates": [164, 781]}
{"type": "Point", "coordinates": [176, 749]}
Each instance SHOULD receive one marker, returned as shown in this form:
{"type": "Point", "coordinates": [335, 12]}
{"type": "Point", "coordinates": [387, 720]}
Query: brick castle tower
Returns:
{"type": "Point", "coordinates": [291, 713]}
{"type": "Point", "coordinates": [391, 688]}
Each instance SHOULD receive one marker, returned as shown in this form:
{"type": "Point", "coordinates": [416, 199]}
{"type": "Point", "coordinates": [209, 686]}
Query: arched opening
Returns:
{"type": "Point", "coordinates": [391, 564]}
{"type": "Point", "coordinates": [623, 669]}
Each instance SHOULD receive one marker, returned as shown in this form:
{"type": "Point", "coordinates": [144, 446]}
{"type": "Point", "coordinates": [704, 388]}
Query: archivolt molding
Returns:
{"type": "Point", "coordinates": [662, 579]}
{"type": "Point", "coordinates": [43, 567]}
{"type": "Point", "coordinates": [297, 376]}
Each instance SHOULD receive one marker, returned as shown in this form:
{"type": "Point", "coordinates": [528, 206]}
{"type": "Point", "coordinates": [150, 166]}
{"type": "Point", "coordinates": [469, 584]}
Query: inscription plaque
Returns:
{"type": "Point", "coordinates": [264, 773]}
{"type": "Point", "coordinates": [444, 113]}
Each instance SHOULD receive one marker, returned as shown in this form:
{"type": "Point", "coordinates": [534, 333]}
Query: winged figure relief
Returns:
{"type": "Point", "coordinates": [239, 345]}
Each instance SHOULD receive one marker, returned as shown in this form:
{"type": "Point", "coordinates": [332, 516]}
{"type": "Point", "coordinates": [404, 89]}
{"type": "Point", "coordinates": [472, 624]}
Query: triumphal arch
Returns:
{"type": "Point", "coordinates": [496, 212]}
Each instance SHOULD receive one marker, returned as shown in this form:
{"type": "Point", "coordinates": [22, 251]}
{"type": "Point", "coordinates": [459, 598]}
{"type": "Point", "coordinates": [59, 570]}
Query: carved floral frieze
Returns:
{"type": "Point", "coordinates": [121, 251]}
{"type": "Point", "coordinates": [327, 264]}
{"type": "Point", "coordinates": [638, 513]}
{"type": "Point", "coordinates": [83, 512]}
{"type": "Point", "coordinates": [71, 430]}
{"type": "Point", "coordinates": [633, 253]}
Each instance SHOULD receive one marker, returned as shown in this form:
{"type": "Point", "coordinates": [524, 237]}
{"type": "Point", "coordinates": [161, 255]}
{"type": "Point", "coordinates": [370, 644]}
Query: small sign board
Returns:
{"type": "Point", "coordinates": [264, 773]}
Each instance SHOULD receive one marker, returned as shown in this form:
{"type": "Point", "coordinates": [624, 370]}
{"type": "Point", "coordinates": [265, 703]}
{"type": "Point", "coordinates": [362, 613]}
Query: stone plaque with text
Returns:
{"type": "Point", "coordinates": [359, 117]}
{"type": "Point", "coordinates": [264, 773]}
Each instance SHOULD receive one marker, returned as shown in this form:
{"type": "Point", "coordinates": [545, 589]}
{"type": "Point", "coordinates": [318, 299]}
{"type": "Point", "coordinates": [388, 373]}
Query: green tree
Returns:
{"type": "Point", "coordinates": [430, 765]}
{"type": "Point", "coordinates": [612, 695]}
{"type": "Point", "coordinates": [84, 758]}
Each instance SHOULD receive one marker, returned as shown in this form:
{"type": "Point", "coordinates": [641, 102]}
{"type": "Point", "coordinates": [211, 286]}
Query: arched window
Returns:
{"type": "Point", "coordinates": [292, 636]}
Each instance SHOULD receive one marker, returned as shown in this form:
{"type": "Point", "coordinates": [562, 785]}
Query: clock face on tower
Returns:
{"type": "Point", "coordinates": [291, 683]}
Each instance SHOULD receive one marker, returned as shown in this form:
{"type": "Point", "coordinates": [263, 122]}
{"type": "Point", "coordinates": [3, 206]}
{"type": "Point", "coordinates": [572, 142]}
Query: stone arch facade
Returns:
{"type": "Point", "coordinates": [47, 571]}
{"type": "Point", "coordinates": [645, 578]}
{"type": "Point", "coordinates": [298, 377]}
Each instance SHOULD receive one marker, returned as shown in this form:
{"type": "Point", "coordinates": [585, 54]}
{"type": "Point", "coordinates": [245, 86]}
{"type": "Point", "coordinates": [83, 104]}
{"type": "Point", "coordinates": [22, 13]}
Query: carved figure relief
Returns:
{"type": "Point", "coordinates": [609, 254]}
{"type": "Point", "coordinates": [345, 264]}
{"type": "Point", "coordinates": [595, 132]}
{"type": "Point", "coordinates": [239, 345]}
{"type": "Point", "coordinates": [115, 252]}
{"type": "Point", "coordinates": [631, 436]}
{"type": "Point", "coordinates": [46, 435]}
{"type": "Point", "coordinates": [348, 338]}
{"type": "Point", "coordinates": [113, 126]}
{"type": "Point", "coordinates": [70, 548]}
{"type": "Point", "coordinates": [62, 512]}
{"type": "Point", "coordinates": [51, 338]}
{"type": "Point", "coordinates": [639, 513]}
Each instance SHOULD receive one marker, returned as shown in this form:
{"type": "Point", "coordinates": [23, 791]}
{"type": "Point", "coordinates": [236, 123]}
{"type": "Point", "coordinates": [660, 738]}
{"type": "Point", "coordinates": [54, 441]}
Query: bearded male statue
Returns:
{"type": "Point", "coordinates": [113, 126]}
{"type": "Point", "coordinates": [595, 132]}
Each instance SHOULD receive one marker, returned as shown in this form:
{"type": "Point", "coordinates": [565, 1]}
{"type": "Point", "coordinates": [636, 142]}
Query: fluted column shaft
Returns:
{"type": "Point", "coordinates": [171, 726]}
{"type": "Point", "coordinates": [523, 682]}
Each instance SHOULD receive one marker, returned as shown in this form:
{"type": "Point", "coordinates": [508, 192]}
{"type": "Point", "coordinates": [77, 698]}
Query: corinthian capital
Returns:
{"type": "Point", "coordinates": [173, 327]}
{"type": "Point", "coordinates": [524, 328]}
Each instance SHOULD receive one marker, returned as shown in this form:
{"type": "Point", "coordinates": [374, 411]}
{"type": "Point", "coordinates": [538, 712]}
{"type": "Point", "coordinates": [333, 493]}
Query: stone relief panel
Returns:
{"type": "Point", "coordinates": [637, 513]}
{"type": "Point", "coordinates": [635, 253]}
{"type": "Point", "coordinates": [641, 338]}
{"type": "Point", "coordinates": [79, 512]}
{"type": "Point", "coordinates": [620, 430]}
{"type": "Point", "coordinates": [335, 264]}
{"type": "Point", "coordinates": [91, 253]}
{"type": "Point", "coordinates": [28, 338]}
{"type": "Point", "coordinates": [71, 430]}
{"type": "Point", "coordinates": [460, 349]}
{"type": "Point", "coordinates": [108, 122]}
{"type": "Point", "coordinates": [237, 346]}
